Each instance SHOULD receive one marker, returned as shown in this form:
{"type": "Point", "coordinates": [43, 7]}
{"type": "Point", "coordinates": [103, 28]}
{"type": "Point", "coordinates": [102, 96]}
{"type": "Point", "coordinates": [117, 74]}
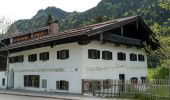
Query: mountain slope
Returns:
{"type": "Point", "coordinates": [153, 11]}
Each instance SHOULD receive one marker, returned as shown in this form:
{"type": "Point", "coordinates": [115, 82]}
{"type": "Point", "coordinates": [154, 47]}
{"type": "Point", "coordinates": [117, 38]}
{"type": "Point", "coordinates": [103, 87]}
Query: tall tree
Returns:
{"type": "Point", "coordinates": [49, 19]}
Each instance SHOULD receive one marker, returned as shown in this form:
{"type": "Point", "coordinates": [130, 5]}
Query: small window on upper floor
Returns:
{"type": "Point", "coordinates": [63, 54]}
{"type": "Point", "coordinates": [107, 55]}
{"type": "Point", "coordinates": [141, 57]}
{"type": "Point", "coordinates": [121, 56]}
{"type": "Point", "coordinates": [11, 60]}
{"type": "Point", "coordinates": [93, 54]}
{"type": "Point", "coordinates": [44, 56]}
{"type": "Point", "coordinates": [16, 59]}
{"type": "Point", "coordinates": [32, 57]}
{"type": "Point", "coordinates": [133, 57]}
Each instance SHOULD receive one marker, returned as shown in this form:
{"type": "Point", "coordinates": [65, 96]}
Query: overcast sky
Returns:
{"type": "Point", "coordinates": [25, 9]}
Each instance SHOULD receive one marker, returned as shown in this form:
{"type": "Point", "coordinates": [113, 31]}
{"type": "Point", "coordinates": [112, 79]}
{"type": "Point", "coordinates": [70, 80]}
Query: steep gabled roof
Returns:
{"type": "Point", "coordinates": [89, 30]}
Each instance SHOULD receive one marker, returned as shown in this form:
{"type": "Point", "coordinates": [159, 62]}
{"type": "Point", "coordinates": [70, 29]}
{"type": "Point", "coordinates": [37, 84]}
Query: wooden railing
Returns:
{"type": "Point", "coordinates": [122, 39]}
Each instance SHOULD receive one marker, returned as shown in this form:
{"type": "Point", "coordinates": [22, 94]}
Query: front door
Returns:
{"type": "Point", "coordinates": [122, 81]}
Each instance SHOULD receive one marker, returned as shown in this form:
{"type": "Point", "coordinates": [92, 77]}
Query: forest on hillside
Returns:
{"type": "Point", "coordinates": [154, 12]}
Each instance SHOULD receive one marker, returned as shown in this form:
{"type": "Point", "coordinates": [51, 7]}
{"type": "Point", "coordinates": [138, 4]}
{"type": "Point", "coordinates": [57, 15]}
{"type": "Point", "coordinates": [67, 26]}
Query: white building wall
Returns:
{"type": "Point", "coordinates": [110, 69]}
{"type": "Point", "coordinates": [53, 69]}
{"type": "Point", "coordinates": [78, 66]}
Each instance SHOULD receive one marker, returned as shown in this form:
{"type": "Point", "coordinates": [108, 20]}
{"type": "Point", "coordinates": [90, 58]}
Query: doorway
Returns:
{"type": "Point", "coordinates": [122, 81]}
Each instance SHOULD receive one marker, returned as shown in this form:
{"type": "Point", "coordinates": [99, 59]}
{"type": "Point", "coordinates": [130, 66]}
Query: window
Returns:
{"type": "Point", "coordinates": [141, 57]}
{"type": "Point", "coordinates": [63, 54]}
{"type": "Point", "coordinates": [93, 54]}
{"type": "Point", "coordinates": [31, 81]}
{"type": "Point", "coordinates": [143, 79]}
{"type": "Point", "coordinates": [16, 59]}
{"type": "Point", "coordinates": [106, 84]}
{"type": "Point", "coordinates": [133, 57]}
{"type": "Point", "coordinates": [3, 81]}
{"type": "Point", "coordinates": [121, 56]}
{"type": "Point", "coordinates": [44, 83]}
{"type": "Point", "coordinates": [134, 80]}
{"type": "Point", "coordinates": [107, 55]}
{"type": "Point", "coordinates": [11, 60]}
{"type": "Point", "coordinates": [32, 57]}
{"type": "Point", "coordinates": [20, 58]}
{"type": "Point", "coordinates": [97, 85]}
{"type": "Point", "coordinates": [44, 56]}
{"type": "Point", "coordinates": [62, 85]}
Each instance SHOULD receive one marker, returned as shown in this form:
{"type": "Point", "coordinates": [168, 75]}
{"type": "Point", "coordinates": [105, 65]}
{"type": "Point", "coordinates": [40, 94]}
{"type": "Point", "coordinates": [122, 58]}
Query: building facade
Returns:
{"type": "Point", "coordinates": [48, 60]}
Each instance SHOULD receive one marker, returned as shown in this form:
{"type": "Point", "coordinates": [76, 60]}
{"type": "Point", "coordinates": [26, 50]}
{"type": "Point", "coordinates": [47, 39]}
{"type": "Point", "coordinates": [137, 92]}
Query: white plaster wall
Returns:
{"type": "Point", "coordinates": [78, 60]}
{"type": "Point", "coordinates": [2, 75]}
{"type": "Point", "coordinates": [110, 69]}
{"type": "Point", "coordinates": [71, 68]}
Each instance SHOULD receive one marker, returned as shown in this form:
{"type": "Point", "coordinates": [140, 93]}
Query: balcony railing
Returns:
{"type": "Point", "coordinates": [122, 39]}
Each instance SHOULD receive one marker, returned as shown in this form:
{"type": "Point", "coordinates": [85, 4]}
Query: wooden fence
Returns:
{"type": "Point", "coordinates": [150, 90]}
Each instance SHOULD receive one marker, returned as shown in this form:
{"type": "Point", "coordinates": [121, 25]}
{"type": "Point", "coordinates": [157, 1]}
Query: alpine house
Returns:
{"type": "Point", "coordinates": [48, 60]}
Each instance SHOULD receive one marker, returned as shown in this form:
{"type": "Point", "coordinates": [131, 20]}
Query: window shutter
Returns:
{"type": "Point", "coordinates": [124, 56]}
{"type": "Point", "coordinates": [110, 55]}
{"type": "Point", "coordinates": [103, 54]}
{"type": "Point", "coordinates": [40, 56]}
{"type": "Point", "coordinates": [29, 58]}
{"type": "Point", "coordinates": [131, 57]}
{"type": "Point", "coordinates": [47, 53]}
{"type": "Point", "coordinates": [98, 54]}
{"type": "Point", "coordinates": [22, 58]}
{"type": "Point", "coordinates": [67, 53]}
{"type": "Point", "coordinates": [89, 53]}
{"type": "Point", "coordinates": [35, 57]}
{"type": "Point", "coordinates": [118, 56]}
{"type": "Point", "coordinates": [25, 81]}
{"type": "Point", "coordinates": [58, 54]}
{"type": "Point", "coordinates": [58, 85]}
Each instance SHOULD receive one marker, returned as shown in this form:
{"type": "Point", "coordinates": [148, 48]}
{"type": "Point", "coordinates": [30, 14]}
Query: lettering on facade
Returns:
{"type": "Point", "coordinates": [42, 70]}
{"type": "Point", "coordinates": [118, 66]}
{"type": "Point", "coordinates": [101, 68]}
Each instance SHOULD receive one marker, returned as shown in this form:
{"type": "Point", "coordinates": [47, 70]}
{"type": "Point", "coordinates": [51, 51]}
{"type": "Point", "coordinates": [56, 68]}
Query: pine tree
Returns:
{"type": "Point", "coordinates": [49, 19]}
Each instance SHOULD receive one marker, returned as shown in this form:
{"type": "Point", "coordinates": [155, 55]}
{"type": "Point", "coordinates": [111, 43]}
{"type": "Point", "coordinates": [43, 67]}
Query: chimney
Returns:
{"type": "Point", "coordinates": [54, 27]}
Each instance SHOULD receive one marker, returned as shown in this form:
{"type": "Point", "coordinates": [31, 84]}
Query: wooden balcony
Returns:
{"type": "Point", "coordinates": [122, 40]}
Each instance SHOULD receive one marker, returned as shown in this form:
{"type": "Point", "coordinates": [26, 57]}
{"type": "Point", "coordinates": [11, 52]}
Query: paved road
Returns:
{"type": "Point", "coordinates": [16, 97]}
